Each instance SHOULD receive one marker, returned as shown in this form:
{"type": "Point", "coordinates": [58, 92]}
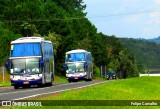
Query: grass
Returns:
{"type": "Point", "coordinates": [142, 88]}
{"type": "Point", "coordinates": [60, 79]}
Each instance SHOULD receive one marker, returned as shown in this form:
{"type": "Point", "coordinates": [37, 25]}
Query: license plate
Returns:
{"type": "Point", "coordinates": [25, 82]}
{"type": "Point", "coordinates": [75, 78]}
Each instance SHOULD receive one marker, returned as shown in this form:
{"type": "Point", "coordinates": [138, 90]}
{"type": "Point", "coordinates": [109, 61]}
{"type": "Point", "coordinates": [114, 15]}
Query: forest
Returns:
{"type": "Point", "coordinates": [63, 22]}
{"type": "Point", "coordinates": [145, 52]}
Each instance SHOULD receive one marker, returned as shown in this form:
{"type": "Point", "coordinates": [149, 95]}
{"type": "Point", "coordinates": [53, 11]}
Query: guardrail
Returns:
{"type": "Point", "coordinates": [149, 75]}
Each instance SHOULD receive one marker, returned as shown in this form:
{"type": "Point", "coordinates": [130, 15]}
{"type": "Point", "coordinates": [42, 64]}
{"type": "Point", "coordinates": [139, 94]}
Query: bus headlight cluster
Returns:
{"type": "Point", "coordinates": [14, 77]}
{"type": "Point", "coordinates": [39, 76]}
{"type": "Point", "coordinates": [69, 75]}
{"type": "Point", "coordinates": [82, 74]}
{"type": "Point", "coordinates": [11, 77]}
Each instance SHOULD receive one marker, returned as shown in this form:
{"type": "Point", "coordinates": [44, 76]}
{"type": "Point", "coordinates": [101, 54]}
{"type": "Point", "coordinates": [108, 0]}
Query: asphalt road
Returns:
{"type": "Point", "coordinates": [9, 93]}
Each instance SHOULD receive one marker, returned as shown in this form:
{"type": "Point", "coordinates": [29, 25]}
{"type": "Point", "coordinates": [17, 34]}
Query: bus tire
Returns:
{"type": "Point", "coordinates": [90, 79]}
{"type": "Point", "coordinates": [69, 81]}
{"type": "Point", "coordinates": [86, 80]}
{"type": "Point", "coordinates": [16, 87]}
{"type": "Point", "coordinates": [52, 79]}
{"type": "Point", "coordinates": [91, 76]}
{"type": "Point", "coordinates": [51, 83]}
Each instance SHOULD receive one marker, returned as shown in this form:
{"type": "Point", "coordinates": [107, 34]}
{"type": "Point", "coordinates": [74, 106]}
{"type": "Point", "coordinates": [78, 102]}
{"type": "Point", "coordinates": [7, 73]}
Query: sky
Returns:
{"type": "Point", "coordinates": [125, 18]}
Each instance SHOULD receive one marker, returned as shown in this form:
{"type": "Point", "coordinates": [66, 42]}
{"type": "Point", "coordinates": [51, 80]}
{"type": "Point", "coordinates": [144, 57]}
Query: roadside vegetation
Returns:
{"type": "Point", "coordinates": [145, 53]}
{"type": "Point", "coordinates": [65, 24]}
{"type": "Point", "coordinates": [6, 80]}
{"type": "Point", "coordinates": [142, 88]}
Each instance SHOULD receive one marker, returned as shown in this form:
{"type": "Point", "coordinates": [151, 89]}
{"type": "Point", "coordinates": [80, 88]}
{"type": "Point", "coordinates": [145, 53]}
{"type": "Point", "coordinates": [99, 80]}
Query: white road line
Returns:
{"type": "Point", "coordinates": [60, 91]}
{"type": "Point", "coordinates": [36, 89]}
{"type": "Point", "coordinates": [32, 89]}
{"type": "Point", "coordinates": [24, 91]}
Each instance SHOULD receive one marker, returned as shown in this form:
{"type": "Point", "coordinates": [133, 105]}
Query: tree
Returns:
{"type": "Point", "coordinates": [63, 22]}
{"type": "Point", "coordinates": [55, 39]}
{"type": "Point", "coordinates": [6, 36]}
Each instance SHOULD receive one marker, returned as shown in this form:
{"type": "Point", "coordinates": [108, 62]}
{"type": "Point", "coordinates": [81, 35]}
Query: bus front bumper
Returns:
{"type": "Point", "coordinates": [76, 78]}
{"type": "Point", "coordinates": [26, 82]}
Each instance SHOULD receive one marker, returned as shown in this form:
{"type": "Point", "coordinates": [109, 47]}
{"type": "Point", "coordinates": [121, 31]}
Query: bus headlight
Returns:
{"type": "Point", "coordinates": [40, 76]}
{"type": "Point", "coordinates": [83, 74]}
{"type": "Point", "coordinates": [68, 75]}
{"type": "Point", "coordinates": [11, 77]}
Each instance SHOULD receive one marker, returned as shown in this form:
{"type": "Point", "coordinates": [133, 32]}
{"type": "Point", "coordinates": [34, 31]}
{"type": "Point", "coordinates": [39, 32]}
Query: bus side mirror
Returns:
{"type": "Point", "coordinates": [65, 67]}
{"type": "Point", "coordinates": [7, 63]}
{"type": "Point", "coordinates": [41, 62]}
{"type": "Point", "coordinates": [86, 64]}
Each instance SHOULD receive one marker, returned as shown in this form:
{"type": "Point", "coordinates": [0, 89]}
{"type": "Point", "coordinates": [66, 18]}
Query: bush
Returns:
{"type": "Point", "coordinates": [97, 72]}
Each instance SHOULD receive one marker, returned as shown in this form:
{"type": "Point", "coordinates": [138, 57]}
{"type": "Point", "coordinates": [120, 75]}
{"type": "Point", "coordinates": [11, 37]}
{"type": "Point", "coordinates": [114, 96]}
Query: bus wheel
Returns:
{"type": "Point", "coordinates": [15, 87]}
{"type": "Point", "coordinates": [51, 83]}
{"type": "Point", "coordinates": [89, 79]}
{"type": "Point", "coordinates": [86, 80]}
{"type": "Point", "coordinates": [91, 76]}
{"type": "Point", "coordinates": [69, 81]}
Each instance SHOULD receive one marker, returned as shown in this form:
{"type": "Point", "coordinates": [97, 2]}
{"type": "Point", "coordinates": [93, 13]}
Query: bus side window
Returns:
{"type": "Point", "coordinates": [69, 58]}
{"type": "Point", "coordinates": [88, 57]}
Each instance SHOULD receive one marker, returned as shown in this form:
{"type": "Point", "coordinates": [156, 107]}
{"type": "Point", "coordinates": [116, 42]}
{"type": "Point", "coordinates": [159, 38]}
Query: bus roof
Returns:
{"type": "Point", "coordinates": [29, 39]}
{"type": "Point", "coordinates": [77, 51]}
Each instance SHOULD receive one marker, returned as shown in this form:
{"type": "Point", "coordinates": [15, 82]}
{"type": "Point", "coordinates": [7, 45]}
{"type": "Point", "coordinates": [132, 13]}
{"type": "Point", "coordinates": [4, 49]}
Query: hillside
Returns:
{"type": "Point", "coordinates": [156, 40]}
{"type": "Point", "coordinates": [147, 54]}
{"type": "Point", "coordinates": [64, 23]}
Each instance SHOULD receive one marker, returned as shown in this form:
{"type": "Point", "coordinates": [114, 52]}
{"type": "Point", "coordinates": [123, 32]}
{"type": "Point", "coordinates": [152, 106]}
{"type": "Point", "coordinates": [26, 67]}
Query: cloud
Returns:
{"type": "Point", "coordinates": [154, 18]}
{"type": "Point", "coordinates": [157, 1]}
{"type": "Point", "coordinates": [120, 17]}
{"type": "Point", "coordinates": [151, 32]}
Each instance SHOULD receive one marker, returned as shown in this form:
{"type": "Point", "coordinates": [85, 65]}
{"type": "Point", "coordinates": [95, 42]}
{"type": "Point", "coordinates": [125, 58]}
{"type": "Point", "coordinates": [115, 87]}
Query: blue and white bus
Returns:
{"type": "Point", "coordinates": [31, 62]}
{"type": "Point", "coordinates": [78, 65]}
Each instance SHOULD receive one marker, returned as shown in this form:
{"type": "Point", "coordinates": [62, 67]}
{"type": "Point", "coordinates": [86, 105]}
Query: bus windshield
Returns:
{"type": "Point", "coordinates": [75, 68]}
{"type": "Point", "coordinates": [74, 57]}
{"type": "Point", "coordinates": [25, 66]}
{"type": "Point", "coordinates": [25, 49]}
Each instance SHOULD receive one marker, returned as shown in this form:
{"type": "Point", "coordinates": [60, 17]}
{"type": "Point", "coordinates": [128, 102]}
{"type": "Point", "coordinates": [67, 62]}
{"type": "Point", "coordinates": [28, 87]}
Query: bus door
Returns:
{"type": "Point", "coordinates": [47, 71]}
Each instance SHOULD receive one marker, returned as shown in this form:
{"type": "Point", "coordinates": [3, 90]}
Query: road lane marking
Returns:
{"type": "Point", "coordinates": [28, 90]}
{"type": "Point", "coordinates": [38, 88]}
{"type": "Point", "coordinates": [23, 91]}
{"type": "Point", "coordinates": [60, 90]}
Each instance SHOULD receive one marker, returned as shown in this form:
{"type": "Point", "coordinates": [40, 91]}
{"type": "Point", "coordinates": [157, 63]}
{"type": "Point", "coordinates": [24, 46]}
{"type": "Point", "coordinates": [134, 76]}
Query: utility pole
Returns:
{"type": "Point", "coordinates": [3, 73]}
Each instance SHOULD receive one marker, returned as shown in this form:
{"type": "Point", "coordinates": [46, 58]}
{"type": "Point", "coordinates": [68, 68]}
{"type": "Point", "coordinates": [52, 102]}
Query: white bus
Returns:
{"type": "Point", "coordinates": [31, 62]}
{"type": "Point", "coordinates": [78, 65]}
